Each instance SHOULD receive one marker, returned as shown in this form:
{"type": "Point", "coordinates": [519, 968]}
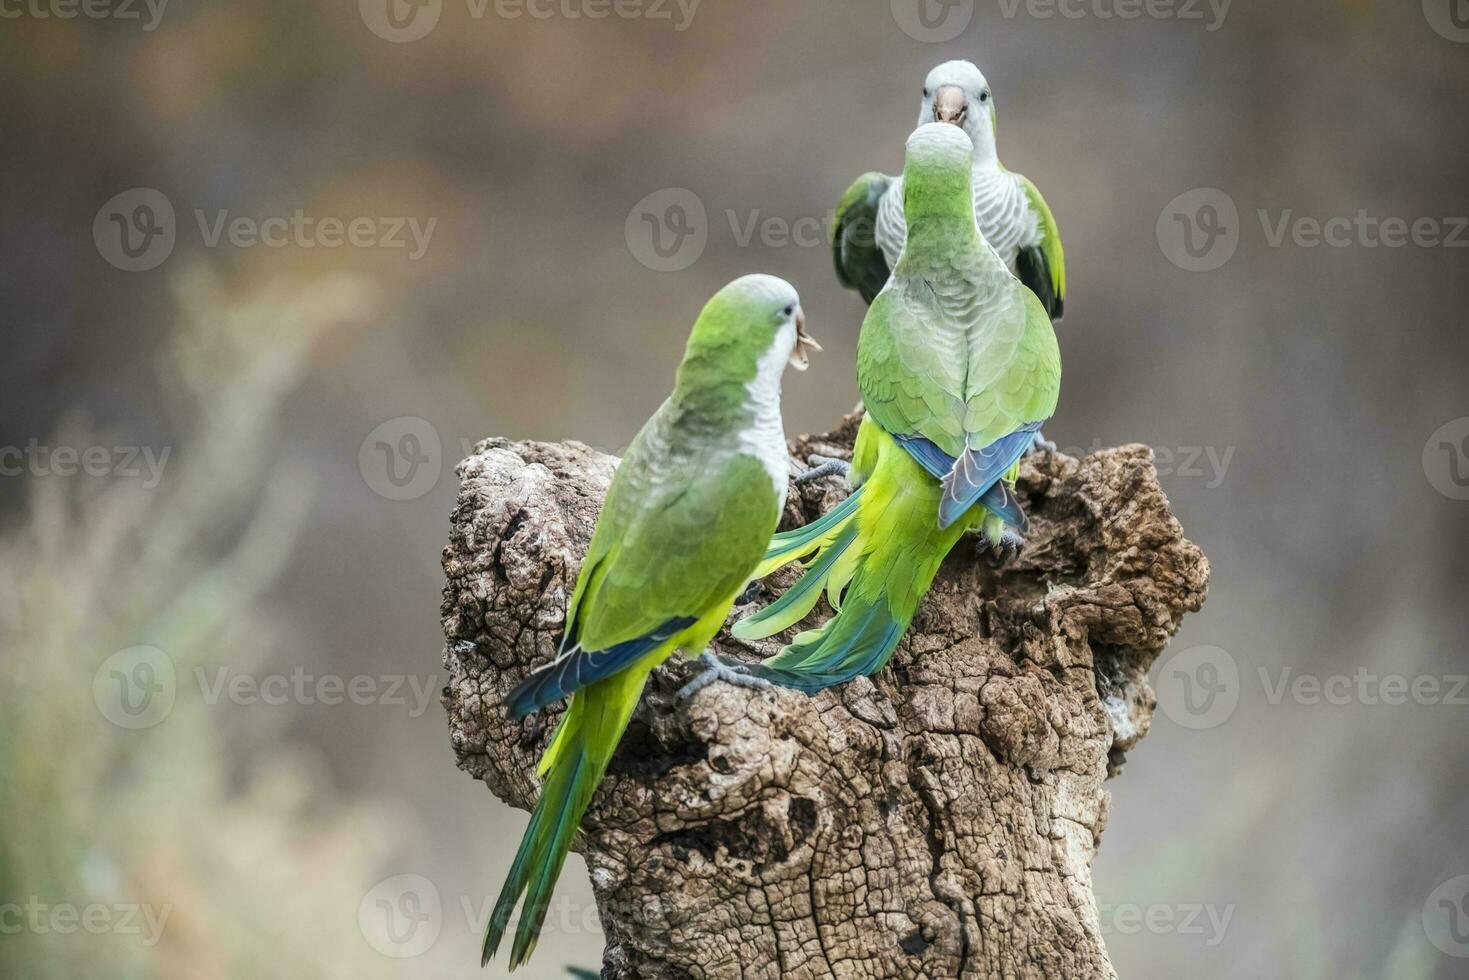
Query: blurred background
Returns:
{"type": "Point", "coordinates": [268, 270]}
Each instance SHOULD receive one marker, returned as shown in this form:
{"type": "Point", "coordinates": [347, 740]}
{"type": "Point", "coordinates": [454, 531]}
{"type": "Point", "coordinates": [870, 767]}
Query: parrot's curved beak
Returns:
{"type": "Point", "coordinates": [950, 105]}
{"type": "Point", "coordinates": [804, 343]}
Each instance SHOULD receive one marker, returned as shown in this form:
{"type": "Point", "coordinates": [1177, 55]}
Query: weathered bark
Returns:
{"type": "Point", "coordinates": [937, 820]}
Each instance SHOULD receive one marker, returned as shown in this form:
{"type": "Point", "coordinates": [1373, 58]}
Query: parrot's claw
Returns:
{"type": "Point", "coordinates": [751, 594]}
{"type": "Point", "coordinates": [823, 466]}
{"type": "Point", "coordinates": [1007, 550]}
{"type": "Point", "coordinates": [464, 647]}
{"type": "Point", "coordinates": [1040, 444]}
{"type": "Point", "coordinates": [717, 670]}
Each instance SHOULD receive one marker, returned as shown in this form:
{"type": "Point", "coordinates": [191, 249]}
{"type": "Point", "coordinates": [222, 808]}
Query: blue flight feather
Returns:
{"type": "Point", "coordinates": [977, 471]}
{"type": "Point", "coordinates": [577, 668]}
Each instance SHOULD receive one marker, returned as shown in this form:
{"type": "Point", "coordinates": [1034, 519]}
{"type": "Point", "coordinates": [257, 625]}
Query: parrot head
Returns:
{"type": "Point", "coordinates": [956, 93]}
{"type": "Point", "coordinates": [755, 323]}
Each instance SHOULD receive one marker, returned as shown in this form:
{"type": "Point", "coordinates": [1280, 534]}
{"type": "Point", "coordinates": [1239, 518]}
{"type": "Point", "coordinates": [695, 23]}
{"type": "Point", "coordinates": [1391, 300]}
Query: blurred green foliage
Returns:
{"type": "Point", "coordinates": [158, 851]}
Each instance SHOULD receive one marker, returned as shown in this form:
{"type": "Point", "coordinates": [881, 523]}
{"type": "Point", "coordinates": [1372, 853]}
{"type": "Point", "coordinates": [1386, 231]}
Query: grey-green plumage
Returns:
{"type": "Point", "coordinates": [1012, 215]}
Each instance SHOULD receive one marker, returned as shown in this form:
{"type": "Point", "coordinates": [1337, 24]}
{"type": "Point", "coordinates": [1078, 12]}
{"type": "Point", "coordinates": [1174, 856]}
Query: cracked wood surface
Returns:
{"type": "Point", "coordinates": [937, 820]}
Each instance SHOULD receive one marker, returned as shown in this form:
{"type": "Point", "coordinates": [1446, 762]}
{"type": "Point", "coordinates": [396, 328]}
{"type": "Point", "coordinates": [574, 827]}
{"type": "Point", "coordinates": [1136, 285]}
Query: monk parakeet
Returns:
{"type": "Point", "coordinates": [1012, 215]}
{"type": "Point", "coordinates": [687, 518]}
{"type": "Point", "coordinates": [958, 367]}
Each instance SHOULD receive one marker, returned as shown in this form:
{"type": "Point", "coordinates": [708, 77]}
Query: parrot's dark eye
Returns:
{"type": "Point", "coordinates": [789, 309]}
{"type": "Point", "coordinates": [925, 93]}
{"type": "Point", "coordinates": [984, 96]}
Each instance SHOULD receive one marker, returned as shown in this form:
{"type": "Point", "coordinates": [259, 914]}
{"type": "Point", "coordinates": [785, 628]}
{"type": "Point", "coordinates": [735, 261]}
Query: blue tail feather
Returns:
{"type": "Point", "coordinates": [577, 668]}
{"type": "Point", "coordinates": [976, 471]}
{"type": "Point", "coordinates": [799, 598]}
{"type": "Point", "coordinates": [853, 644]}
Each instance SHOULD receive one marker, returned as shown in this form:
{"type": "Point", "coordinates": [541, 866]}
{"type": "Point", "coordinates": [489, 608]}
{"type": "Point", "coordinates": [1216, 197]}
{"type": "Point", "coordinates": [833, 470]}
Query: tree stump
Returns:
{"type": "Point", "coordinates": [936, 820]}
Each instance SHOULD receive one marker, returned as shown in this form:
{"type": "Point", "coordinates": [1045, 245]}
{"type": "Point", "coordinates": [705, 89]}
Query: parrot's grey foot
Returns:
{"type": "Point", "coordinates": [1009, 548]}
{"type": "Point", "coordinates": [717, 670]}
{"type": "Point", "coordinates": [464, 647]}
{"type": "Point", "coordinates": [823, 466]}
{"type": "Point", "coordinates": [1040, 444]}
{"type": "Point", "coordinates": [751, 593]}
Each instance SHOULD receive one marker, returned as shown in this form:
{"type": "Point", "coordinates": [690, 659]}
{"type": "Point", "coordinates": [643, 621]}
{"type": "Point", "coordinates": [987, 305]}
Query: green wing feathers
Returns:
{"type": "Point", "coordinates": [860, 263]}
{"type": "Point", "coordinates": [1043, 267]}
{"type": "Point", "coordinates": [671, 545]}
{"type": "Point", "coordinates": [676, 540]}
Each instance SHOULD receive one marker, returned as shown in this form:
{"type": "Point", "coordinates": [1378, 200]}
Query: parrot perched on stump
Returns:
{"type": "Point", "coordinates": [958, 367]}
{"type": "Point", "coordinates": [1012, 215]}
{"type": "Point", "coordinates": [689, 514]}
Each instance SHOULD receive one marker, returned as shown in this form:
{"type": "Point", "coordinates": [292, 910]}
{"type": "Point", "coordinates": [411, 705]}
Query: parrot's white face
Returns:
{"type": "Point", "coordinates": [956, 92]}
{"type": "Point", "coordinates": [791, 344]}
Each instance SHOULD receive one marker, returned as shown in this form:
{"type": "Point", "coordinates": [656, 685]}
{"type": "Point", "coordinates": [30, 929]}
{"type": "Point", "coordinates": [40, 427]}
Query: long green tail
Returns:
{"type": "Point", "coordinates": [874, 562]}
{"type": "Point", "coordinates": [571, 769]}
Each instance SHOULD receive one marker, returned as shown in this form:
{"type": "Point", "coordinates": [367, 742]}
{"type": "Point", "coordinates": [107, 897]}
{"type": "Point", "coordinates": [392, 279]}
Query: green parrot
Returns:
{"type": "Point", "coordinates": [1012, 215]}
{"type": "Point", "coordinates": [958, 367]}
{"type": "Point", "coordinates": [687, 518]}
